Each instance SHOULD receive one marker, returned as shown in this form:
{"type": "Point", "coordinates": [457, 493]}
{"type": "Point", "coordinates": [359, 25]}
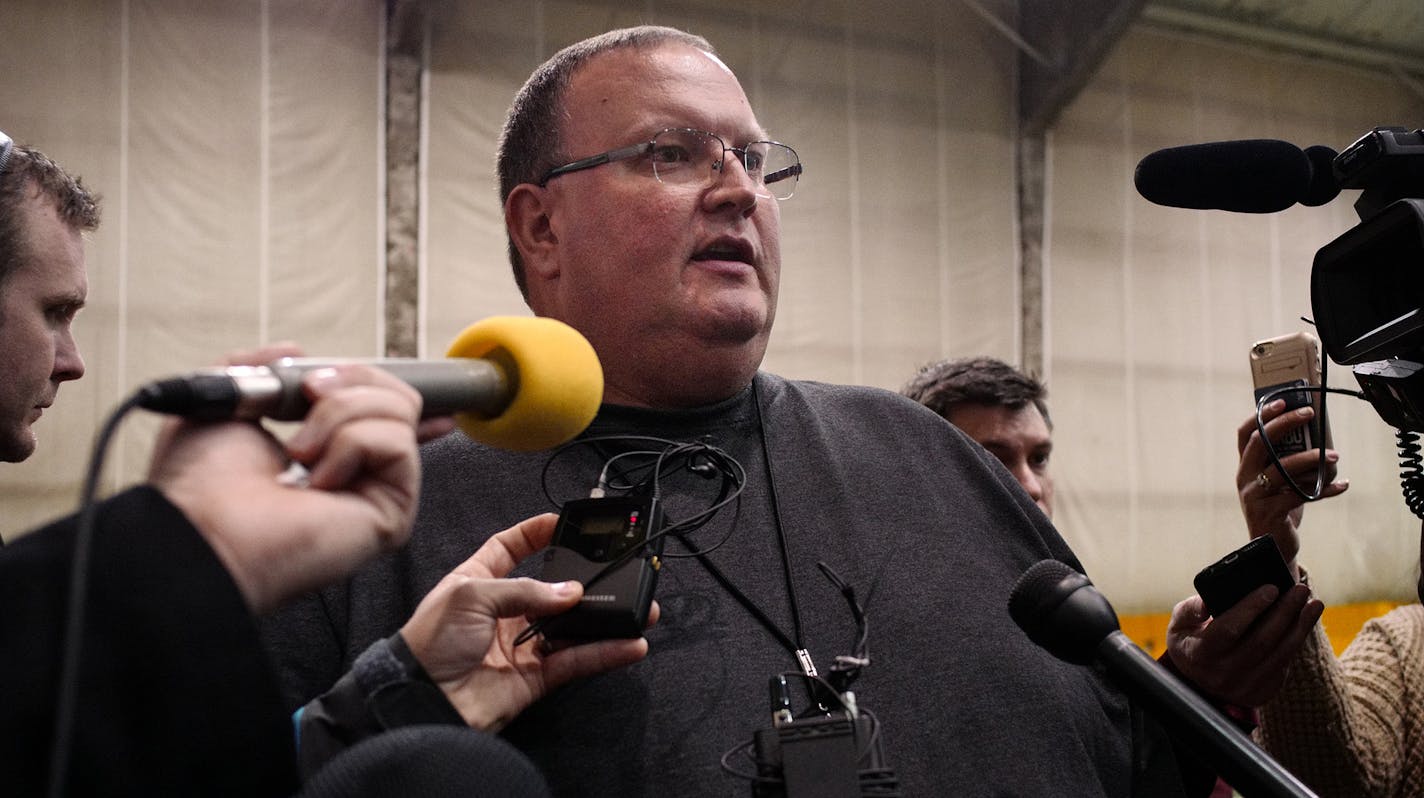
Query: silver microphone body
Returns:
{"type": "Point", "coordinates": [446, 387]}
{"type": "Point", "coordinates": [521, 383]}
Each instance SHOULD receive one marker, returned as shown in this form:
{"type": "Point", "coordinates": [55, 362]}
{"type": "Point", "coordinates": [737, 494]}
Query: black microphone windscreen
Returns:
{"type": "Point", "coordinates": [1060, 610]}
{"type": "Point", "coordinates": [1038, 591]}
{"type": "Point", "coordinates": [430, 762]}
{"type": "Point", "coordinates": [1323, 185]}
{"type": "Point", "coordinates": [1247, 176]}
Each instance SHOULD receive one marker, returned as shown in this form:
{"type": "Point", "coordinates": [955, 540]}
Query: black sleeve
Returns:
{"type": "Point", "coordinates": [1161, 765]}
{"type": "Point", "coordinates": [386, 689]}
{"type": "Point", "coordinates": [175, 695]}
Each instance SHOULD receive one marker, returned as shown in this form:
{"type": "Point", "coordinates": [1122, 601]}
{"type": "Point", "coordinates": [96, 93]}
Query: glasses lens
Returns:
{"type": "Point", "coordinates": [684, 156]}
{"type": "Point", "coordinates": [775, 165]}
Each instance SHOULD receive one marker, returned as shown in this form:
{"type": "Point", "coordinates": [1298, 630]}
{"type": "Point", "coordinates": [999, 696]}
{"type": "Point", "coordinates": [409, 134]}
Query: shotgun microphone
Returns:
{"type": "Point", "coordinates": [1247, 176]}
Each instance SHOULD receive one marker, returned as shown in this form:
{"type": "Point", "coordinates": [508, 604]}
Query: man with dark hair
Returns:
{"type": "Point", "coordinates": [157, 683]}
{"type": "Point", "coordinates": [1001, 408]}
{"type": "Point", "coordinates": [43, 214]}
{"type": "Point", "coordinates": [171, 694]}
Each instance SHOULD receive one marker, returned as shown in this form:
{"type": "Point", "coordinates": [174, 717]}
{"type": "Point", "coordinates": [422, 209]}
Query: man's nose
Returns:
{"type": "Point", "coordinates": [1029, 480]}
{"type": "Point", "coordinates": [733, 183]}
{"type": "Point", "coordinates": [68, 363]}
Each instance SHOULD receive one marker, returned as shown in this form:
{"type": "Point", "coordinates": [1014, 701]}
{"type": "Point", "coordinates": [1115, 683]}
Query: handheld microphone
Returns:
{"type": "Point", "coordinates": [519, 383]}
{"type": "Point", "coordinates": [1060, 610]}
{"type": "Point", "coordinates": [1247, 176]}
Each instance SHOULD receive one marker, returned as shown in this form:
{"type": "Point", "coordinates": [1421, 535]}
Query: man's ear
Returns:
{"type": "Point", "coordinates": [527, 217]}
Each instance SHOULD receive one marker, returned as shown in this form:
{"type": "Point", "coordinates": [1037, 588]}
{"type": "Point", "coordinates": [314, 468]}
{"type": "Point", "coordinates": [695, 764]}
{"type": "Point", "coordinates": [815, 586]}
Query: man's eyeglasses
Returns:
{"type": "Point", "coordinates": [6, 145]}
{"type": "Point", "coordinates": [683, 156]}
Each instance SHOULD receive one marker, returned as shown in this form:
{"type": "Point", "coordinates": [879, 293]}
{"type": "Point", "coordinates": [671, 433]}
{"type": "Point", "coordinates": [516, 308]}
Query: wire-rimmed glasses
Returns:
{"type": "Point", "coordinates": [686, 156]}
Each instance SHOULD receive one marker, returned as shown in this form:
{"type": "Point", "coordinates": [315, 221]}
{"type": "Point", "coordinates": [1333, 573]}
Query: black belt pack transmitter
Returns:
{"type": "Point", "coordinates": [592, 535]}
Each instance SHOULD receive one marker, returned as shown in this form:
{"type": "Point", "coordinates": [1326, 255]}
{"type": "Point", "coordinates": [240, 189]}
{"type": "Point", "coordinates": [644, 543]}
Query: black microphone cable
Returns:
{"type": "Point", "coordinates": [699, 458]}
{"type": "Point", "coordinates": [847, 666]}
{"type": "Point", "coordinates": [1271, 453]}
{"type": "Point", "coordinates": [1411, 471]}
{"type": "Point", "coordinates": [1321, 424]}
{"type": "Point", "coordinates": [68, 687]}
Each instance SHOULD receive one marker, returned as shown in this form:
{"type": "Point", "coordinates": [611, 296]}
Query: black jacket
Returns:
{"type": "Point", "coordinates": [175, 694]}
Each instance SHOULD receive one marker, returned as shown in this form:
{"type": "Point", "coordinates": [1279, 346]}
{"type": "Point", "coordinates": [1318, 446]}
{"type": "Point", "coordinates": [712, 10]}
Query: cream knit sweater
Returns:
{"type": "Point", "coordinates": [1354, 726]}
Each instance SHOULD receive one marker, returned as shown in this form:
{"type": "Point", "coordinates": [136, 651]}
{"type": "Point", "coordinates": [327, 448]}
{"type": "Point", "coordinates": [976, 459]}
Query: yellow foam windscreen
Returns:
{"type": "Point", "coordinates": [554, 377]}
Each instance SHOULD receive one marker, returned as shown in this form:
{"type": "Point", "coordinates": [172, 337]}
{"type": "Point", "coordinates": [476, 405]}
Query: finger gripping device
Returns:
{"type": "Point", "coordinates": [603, 543]}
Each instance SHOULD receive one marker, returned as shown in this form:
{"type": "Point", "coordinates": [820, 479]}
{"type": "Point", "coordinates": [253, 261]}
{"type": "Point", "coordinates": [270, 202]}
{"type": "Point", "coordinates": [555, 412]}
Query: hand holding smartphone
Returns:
{"type": "Point", "coordinates": [1224, 583]}
{"type": "Point", "coordinates": [1286, 361]}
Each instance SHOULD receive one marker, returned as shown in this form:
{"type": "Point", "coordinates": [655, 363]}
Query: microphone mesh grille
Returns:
{"type": "Point", "coordinates": [1034, 589]}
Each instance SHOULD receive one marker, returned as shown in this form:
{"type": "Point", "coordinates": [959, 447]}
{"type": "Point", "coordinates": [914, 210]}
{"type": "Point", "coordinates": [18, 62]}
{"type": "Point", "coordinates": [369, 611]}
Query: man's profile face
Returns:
{"type": "Point", "coordinates": [648, 270]}
{"type": "Point", "coordinates": [37, 304]}
{"type": "Point", "coordinates": [1019, 438]}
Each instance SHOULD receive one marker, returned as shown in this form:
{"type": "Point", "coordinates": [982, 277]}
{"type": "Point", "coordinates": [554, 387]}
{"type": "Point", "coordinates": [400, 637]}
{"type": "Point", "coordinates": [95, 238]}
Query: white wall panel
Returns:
{"type": "Point", "coordinates": [1153, 311]}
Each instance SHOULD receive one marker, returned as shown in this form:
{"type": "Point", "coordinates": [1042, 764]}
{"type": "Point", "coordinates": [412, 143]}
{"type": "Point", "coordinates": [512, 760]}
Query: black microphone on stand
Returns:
{"type": "Point", "coordinates": [1060, 610]}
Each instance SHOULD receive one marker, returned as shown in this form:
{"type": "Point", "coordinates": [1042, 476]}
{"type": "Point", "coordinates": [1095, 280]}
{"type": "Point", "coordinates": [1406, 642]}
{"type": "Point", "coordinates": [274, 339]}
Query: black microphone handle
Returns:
{"type": "Point", "coordinates": [1200, 726]}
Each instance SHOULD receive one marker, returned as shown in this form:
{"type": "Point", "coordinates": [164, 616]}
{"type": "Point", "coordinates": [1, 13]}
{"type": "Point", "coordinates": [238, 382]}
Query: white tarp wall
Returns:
{"type": "Point", "coordinates": [237, 146]}
{"type": "Point", "coordinates": [239, 149]}
{"type": "Point", "coordinates": [1151, 312]}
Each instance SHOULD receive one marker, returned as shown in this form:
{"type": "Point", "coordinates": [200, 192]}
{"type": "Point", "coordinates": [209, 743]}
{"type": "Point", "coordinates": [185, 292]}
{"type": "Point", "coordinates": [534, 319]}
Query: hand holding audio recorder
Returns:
{"type": "Point", "coordinates": [603, 543]}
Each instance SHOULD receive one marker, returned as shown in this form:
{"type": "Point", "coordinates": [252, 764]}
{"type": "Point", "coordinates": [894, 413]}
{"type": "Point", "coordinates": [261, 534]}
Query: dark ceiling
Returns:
{"type": "Point", "coordinates": [1385, 34]}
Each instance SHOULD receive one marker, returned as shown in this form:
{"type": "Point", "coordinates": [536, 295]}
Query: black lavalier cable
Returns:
{"type": "Point", "coordinates": [1271, 453]}
{"type": "Point", "coordinates": [1321, 424]}
{"type": "Point", "coordinates": [671, 456]}
{"type": "Point", "coordinates": [68, 687]}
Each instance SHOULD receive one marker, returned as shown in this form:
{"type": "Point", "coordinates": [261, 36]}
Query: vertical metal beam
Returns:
{"type": "Point", "coordinates": [1030, 156]}
{"type": "Point", "coordinates": [1061, 51]}
{"type": "Point", "coordinates": [405, 42]}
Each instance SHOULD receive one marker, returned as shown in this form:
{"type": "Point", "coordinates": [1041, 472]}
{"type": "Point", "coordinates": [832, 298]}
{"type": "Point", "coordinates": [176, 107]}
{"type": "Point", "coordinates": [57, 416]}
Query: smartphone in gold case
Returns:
{"type": "Point", "coordinates": [1287, 361]}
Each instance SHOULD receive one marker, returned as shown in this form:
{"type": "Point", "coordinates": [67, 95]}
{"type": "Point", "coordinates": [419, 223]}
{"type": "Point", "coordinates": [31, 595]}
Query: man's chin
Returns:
{"type": "Point", "coordinates": [15, 448]}
{"type": "Point", "coordinates": [736, 322]}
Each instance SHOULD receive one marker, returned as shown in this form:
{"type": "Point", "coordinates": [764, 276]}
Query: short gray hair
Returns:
{"type": "Point", "coordinates": [529, 145]}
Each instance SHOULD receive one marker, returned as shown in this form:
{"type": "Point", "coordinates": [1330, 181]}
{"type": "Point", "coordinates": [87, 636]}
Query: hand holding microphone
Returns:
{"type": "Point", "coordinates": [519, 383]}
{"type": "Point", "coordinates": [359, 445]}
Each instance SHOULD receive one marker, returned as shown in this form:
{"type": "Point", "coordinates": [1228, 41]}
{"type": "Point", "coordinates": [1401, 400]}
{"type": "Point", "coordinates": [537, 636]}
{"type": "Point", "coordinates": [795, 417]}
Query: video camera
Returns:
{"type": "Point", "coordinates": [1367, 285]}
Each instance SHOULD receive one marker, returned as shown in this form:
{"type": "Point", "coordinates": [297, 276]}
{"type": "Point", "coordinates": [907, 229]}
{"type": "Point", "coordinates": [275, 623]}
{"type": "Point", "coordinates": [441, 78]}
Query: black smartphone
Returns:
{"type": "Point", "coordinates": [1231, 578]}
